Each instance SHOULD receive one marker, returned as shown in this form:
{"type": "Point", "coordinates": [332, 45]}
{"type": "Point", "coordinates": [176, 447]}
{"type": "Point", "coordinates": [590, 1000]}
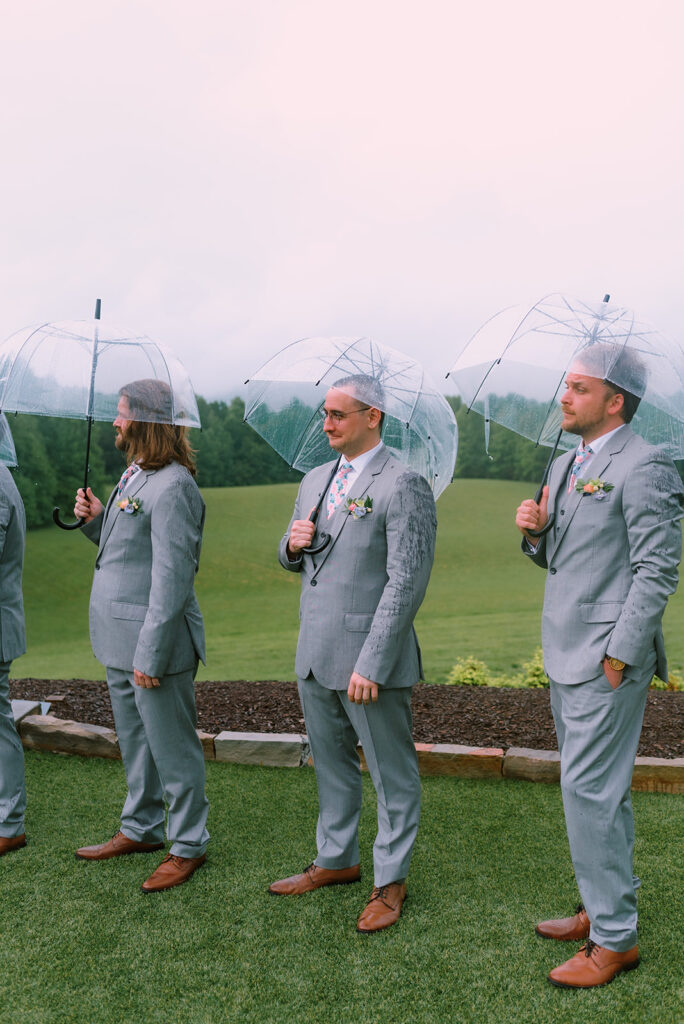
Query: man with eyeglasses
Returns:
{"type": "Point", "coordinates": [357, 655]}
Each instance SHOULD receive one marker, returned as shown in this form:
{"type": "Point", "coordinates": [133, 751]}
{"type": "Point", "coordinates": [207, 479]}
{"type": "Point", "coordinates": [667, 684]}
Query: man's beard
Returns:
{"type": "Point", "coordinates": [121, 441]}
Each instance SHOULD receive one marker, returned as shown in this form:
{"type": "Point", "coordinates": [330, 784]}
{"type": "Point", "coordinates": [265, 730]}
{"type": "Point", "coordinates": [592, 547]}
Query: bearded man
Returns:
{"type": "Point", "coordinates": [147, 629]}
{"type": "Point", "coordinates": [611, 553]}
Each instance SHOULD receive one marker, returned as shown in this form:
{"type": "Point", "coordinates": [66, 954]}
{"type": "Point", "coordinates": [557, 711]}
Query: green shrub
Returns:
{"type": "Point", "coordinates": [533, 674]}
{"type": "Point", "coordinates": [674, 682]}
{"type": "Point", "coordinates": [469, 672]}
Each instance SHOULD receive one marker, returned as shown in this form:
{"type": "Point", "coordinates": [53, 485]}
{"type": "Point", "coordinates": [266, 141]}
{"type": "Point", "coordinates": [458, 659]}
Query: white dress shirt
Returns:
{"type": "Point", "coordinates": [358, 464]}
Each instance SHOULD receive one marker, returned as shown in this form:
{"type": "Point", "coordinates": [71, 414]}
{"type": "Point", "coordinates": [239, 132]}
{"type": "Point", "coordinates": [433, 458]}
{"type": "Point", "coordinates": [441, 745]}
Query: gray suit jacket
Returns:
{"type": "Point", "coordinates": [12, 538]}
{"type": "Point", "coordinates": [361, 594]}
{"type": "Point", "coordinates": [143, 609]}
{"type": "Point", "coordinates": [612, 561]}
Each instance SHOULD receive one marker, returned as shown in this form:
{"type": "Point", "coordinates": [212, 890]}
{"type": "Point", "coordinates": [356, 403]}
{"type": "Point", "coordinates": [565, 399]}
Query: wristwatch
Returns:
{"type": "Point", "coordinates": [616, 664]}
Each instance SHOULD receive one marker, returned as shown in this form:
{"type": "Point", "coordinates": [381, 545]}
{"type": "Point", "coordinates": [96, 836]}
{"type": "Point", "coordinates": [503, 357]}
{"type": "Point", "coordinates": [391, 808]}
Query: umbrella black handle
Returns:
{"type": "Point", "coordinates": [545, 529]}
{"type": "Point", "coordinates": [66, 526]}
{"type": "Point", "coordinates": [325, 540]}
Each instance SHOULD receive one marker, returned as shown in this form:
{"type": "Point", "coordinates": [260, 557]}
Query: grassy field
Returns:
{"type": "Point", "coordinates": [484, 598]}
{"type": "Point", "coordinates": [83, 945]}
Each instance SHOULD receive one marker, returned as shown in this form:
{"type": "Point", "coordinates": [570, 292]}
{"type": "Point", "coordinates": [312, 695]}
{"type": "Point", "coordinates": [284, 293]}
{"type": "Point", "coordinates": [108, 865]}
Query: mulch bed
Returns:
{"type": "Point", "coordinates": [476, 716]}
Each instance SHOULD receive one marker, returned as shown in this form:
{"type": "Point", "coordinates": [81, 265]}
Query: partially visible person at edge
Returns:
{"type": "Point", "coordinates": [357, 656]}
{"type": "Point", "coordinates": [12, 644]}
{"type": "Point", "coordinates": [612, 555]}
{"type": "Point", "coordinates": [147, 629]}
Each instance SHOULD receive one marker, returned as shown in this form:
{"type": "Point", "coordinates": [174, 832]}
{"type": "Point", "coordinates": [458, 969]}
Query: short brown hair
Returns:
{"type": "Point", "coordinates": [150, 438]}
{"type": "Point", "coordinates": [620, 368]}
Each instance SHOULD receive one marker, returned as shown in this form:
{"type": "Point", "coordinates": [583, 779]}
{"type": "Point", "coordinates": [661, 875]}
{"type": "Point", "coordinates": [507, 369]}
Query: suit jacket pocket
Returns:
{"type": "Point", "coordinates": [603, 611]}
{"type": "Point", "coordinates": [126, 610]}
{"type": "Point", "coordinates": [358, 623]}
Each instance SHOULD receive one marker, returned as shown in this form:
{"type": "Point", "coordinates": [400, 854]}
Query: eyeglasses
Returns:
{"type": "Point", "coordinates": [338, 417]}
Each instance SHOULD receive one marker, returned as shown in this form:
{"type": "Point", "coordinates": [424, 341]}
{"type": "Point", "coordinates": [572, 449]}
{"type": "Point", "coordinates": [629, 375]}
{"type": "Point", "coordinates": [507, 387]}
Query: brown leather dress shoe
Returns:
{"type": "Point", "coordinates": [314, 877]}
{"type": "Point", "coordinates": [9, 843]}
{"type": "Point", "coordinates": [172, 871]}
{"type": "Point", "coordinates": [118, 846]}
{"type": "Point", "coordinates": [383, 908]}
{"type": "Point", "coordinates": [593, 966]}
{"type": "Point", "coordinates": [566, 929]}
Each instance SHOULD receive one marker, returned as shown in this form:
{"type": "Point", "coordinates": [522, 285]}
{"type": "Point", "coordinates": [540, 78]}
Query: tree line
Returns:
{"type": "Point", "coordinates": [51, 456]}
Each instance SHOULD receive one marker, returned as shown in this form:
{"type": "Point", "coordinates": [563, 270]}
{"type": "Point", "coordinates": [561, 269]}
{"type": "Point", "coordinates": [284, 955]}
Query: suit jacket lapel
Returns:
{"type": "Point", "coordinates": [340, 516]}
{"type": "Point", "coordinates": [597, 467]}
{"type": "Point", "coordinates": [111, 511]}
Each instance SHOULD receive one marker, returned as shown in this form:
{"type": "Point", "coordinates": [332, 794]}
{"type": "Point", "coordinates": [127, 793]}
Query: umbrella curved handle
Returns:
{"type": "Point", "coordinates": [324, 537]}
{"type": "Point", "coordinates": [545, 529]}
{"type": "Point", "coordinates": [66, 526]}
{"type": "Point", "coordinates": [325, 540]}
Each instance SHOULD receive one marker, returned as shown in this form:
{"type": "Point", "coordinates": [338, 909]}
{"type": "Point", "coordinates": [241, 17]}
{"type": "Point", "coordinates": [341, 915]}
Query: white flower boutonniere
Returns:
{"type": "Point", "coordinates": [131, 506]}
{"type": "Point", "coordinates": [359, 507]}
{"type": "Point", "coordinates": [598, 488]}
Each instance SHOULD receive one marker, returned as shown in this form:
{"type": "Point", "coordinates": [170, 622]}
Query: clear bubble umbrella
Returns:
{"type": "Point", "coordinates": [8, 454]}
{"type": "Point", "coordinates": [285, 398]}
{"type": "Point", "coordinates": [512, 371]}
{"type": "Point", "coordinates": [75, 369]}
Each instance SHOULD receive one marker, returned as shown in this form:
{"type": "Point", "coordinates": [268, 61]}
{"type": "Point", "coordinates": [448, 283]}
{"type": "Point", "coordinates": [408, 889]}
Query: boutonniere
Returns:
{"type": "Point", "coordinates": [359, 507]}
{"type": "Point", "coordinates": [131, 506]}
{"type": "Point", "coordinates": [599, 488]}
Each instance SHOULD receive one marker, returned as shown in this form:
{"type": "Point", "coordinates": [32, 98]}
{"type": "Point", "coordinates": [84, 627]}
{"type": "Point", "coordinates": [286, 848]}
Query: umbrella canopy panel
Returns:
{"type": "Point", "coordinates": [76, 368]}
{"type": "Point", "coordinates": [285, 398]}
{"type": "Point", "coordinates": [8, 454]}
{"type": "Point", "coordinates": [513, 369]}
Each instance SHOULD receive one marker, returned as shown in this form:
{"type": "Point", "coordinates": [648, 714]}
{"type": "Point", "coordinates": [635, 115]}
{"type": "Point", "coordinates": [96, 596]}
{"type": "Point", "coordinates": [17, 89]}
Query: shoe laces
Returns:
{"type": "Point", "coordinates": [379, 893]}
{"type": "Point", "coordinates": [589, 948]}
{"type": "Point", "coordinates": [310, 870]}
{"type": "Point", "coordinates": [178, 861]}
{"type": "Point", "coordinates": [579, 908]}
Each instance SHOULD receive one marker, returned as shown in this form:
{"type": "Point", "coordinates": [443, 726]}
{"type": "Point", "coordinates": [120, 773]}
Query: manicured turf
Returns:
{"type": "Point", "coordinates": [484, 598]}
{"type": "Point", "coordinates": [82, 945]}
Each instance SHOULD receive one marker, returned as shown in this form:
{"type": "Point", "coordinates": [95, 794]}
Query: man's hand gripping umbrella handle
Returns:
{"type": "Point", "coordinates": [540, 491]}
{"type": "Point", "coordinates": [324, 538]}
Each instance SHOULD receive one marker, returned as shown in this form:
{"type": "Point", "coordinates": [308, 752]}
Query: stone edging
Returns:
{"type": "Point", "coordinates": [291, 750]}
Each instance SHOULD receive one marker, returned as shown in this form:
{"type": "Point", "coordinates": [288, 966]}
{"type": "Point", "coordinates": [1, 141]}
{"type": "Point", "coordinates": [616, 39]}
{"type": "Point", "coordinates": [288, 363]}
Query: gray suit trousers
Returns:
{"type": "Point", "coordinates": [334, 725]}
{"type": "Point", "coordinates": [598, 733]}
{"type": "Point", "coordinates": [12, 784]}
{"type": "Point", "coordinates": [163, 759]}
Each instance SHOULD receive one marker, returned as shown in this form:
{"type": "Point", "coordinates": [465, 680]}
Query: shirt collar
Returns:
{"type": "Point", "coordinates": [359, 463]}
{"type": "Point", "coordinates": [597, 444]}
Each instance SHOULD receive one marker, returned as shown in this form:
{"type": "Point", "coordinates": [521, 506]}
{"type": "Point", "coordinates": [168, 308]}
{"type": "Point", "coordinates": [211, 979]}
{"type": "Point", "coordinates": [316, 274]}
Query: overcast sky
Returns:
{"type": "Point", "coordinates": [231, 176]}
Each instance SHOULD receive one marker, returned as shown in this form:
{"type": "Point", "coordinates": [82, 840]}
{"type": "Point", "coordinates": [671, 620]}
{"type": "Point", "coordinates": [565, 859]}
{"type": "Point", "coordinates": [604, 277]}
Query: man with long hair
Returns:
{"type": "Point", "coordinates": [147, 629]}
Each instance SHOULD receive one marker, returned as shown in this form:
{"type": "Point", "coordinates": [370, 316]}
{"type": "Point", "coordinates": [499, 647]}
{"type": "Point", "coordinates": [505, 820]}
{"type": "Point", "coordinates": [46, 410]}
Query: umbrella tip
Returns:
{"type": "Point", "coordinates": [98, 306]}
{"type": "Point", "coordinates": [606, 297]}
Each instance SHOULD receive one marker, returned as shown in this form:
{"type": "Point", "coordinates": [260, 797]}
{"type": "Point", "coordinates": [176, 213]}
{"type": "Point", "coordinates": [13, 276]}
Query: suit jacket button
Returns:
{"type": "Point", "coordinates": [314, 583]}
{"type": "Point", "coordinates": [552, 571]}
{"type": "Point", "coordinates": [562, 511]}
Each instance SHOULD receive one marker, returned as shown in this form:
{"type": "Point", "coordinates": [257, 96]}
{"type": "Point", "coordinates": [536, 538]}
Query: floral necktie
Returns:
{"type": "Point", "coordinates": [125, 477]}
{"type": "Point", "coordinates": [581, 457]}
{"type": "Point", "coordinates": [339, 486]}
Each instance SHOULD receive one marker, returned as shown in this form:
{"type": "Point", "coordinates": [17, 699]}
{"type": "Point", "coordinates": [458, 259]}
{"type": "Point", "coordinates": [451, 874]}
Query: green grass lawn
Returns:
{"type": "Point", "coordinates": [484, 597]}
{"type": "Point", "coordinates": [82, 945]}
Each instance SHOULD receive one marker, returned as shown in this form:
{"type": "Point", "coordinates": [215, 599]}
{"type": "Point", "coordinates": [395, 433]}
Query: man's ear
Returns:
{"type": "Point", "coordinates": [374, 417]}
{"type": "Point", "coordinates": [617, 404]}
